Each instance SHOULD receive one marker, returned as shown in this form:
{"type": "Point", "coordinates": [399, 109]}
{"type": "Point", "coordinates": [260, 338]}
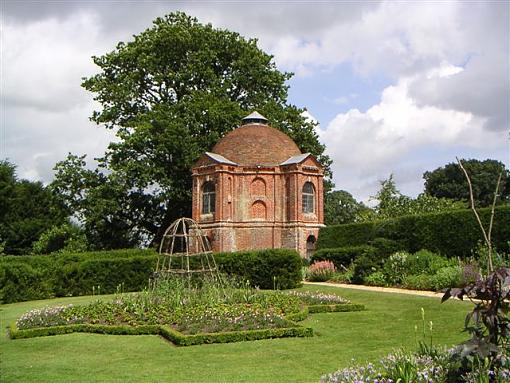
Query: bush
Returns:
{"type": "Point", "coordinates": [447, 277]}
{"type": "Point", "coordinates": [321, 271]}
{"type": "Point", "coordinates": [341, 257]}
{"type": "Point", "coordinates": [267, 269]}
{"type": "Point", "coordinates": [376, 279]}
{"type": "Point", "coordinates": [343, 277]}
{"type": "Point", "coordinates": [370, 262]}
{"type": "Point", "coordinates": [453, 233]}
{"type": "Point", "coordinates": [395, 267]}
{"type": "Point", "coordinates": [418, 282]}
{"type": "Point", "coordinates": [426, 262]}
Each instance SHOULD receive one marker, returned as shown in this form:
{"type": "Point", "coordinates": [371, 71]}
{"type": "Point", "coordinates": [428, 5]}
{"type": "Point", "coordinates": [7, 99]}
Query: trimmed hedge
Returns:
{"type": "Point", "coordinates": [342, 307]}
{"type": "Point", "coordinates": [166, 332]}
{"type": "Point", "coordinates": [267, 269]}
{"type": "Point", "coordinates": [40, 277]}
{"type": "Point", "coordinates": [453, 234]}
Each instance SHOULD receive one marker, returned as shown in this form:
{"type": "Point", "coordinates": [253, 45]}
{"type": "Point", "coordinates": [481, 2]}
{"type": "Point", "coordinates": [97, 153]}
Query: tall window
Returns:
{"type": "Point", "coordinates": [208, 198]}
{"type": "Point", "coordinates": [308, 198]}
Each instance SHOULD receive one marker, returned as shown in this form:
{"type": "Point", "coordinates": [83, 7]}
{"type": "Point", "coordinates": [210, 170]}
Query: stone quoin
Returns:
{"type": "Point", "coordinates": [256, 190]}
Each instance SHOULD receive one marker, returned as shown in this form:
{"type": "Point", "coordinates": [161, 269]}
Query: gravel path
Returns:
{"type": "Point", "coordinates": [379, 289]}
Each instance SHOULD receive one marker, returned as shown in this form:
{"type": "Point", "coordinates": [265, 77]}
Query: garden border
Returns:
{"type": "Point", "coordinates": [176, 337]}
{"type": "Point", "coordinates": [294, 330]}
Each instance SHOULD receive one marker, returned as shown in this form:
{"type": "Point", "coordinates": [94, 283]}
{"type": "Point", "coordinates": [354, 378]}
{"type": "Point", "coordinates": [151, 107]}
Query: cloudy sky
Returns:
{"type": "Point", "coordinates": [397, 87]}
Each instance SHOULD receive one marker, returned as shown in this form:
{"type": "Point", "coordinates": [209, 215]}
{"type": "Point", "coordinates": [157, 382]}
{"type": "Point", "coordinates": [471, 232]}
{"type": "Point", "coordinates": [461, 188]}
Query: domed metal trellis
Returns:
{"type": "Point", "coordinates": [186, 251]}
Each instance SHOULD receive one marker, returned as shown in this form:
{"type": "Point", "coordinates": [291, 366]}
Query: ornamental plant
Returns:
{"type": "Point", "coordinates": [321, 271]}
{"type": "Point", "coordinates": [488, 323]}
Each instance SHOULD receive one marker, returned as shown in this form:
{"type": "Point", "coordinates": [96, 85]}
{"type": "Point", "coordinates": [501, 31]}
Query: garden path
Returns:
{"type": "Point", "coordinates": [379, 289]}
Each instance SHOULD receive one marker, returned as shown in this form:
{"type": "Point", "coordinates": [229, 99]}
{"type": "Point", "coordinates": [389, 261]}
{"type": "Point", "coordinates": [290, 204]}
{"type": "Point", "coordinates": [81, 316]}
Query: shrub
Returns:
{"type": "Point", "coordinates": [267, 269]}
{"type": "Point", "coordinates": [395, 267]}
{"type": "Point", "coordinates": [418, 282]}
{"type": "Point", "coordinates": [453, 233]}
{"type": "Point", "coordinates": [376, 279]}
{"type": "Point", "coordinates": [343, 277]}
{"type": "Point", "coordinates": [447, 277]}
{"type": "Point", "coordinates": [321, 271]}
{"type": "Point", "coordinates": [342, 257]}
{"type": "Point", "coordinates": [426, 262]}
{"type": "Point", "coordinates": [370, 262]}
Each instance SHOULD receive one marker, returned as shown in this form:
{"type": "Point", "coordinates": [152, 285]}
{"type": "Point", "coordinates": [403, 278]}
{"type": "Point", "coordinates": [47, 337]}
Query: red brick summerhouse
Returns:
{"type": "Point", "coordinates": [256, 190]}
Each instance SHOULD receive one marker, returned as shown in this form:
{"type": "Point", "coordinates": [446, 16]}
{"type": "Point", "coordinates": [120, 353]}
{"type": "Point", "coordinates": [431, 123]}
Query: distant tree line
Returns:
{"type": "Point", "coordinates": [445, 189]}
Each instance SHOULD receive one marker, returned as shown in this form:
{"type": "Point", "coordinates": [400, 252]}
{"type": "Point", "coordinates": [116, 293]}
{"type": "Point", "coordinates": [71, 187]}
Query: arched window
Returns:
{"type": "Point", "coordinates": [308, 198]}
{"type": "Point", "coordinates": [208, 198]}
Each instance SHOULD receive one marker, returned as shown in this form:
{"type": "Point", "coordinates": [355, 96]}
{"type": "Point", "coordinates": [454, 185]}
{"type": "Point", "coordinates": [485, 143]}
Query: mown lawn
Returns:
{"type": "Point", "coordinates": [340, 337]}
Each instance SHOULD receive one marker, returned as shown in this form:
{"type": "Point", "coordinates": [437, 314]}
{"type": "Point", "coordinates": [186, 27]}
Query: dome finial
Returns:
{"type": "Point", "coordinates": [254, 118]}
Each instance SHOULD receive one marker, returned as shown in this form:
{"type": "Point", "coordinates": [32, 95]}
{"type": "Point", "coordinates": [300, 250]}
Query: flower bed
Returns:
{"type": "Point", "coordinates": [186, 317]}
{"type": "Point", "coordinates": [435, 366]}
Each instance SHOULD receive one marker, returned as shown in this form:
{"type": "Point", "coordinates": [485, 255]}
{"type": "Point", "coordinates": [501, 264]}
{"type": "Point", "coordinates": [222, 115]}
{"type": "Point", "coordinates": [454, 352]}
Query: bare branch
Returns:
{"type": "Point", "coordinates": [494, 205]}
{"type": "Point", "coordinates": [472, 199]}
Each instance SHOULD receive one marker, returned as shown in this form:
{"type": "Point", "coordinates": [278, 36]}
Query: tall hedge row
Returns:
{"type": "Point", "coordinates": [453, 234]}
{"type": "Point", "coordinates": [25, 278]}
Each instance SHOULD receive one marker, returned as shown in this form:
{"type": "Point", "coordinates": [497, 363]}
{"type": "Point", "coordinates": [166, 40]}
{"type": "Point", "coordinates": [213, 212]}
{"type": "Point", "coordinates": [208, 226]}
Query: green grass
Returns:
{"type": "Point", "coordinates": [365, 336]}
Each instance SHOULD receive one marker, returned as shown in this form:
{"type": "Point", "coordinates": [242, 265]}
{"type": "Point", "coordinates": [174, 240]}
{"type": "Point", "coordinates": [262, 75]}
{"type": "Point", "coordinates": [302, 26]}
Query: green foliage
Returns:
{"type": "Point", "coordinates": [449, 182]}
{"type": "Point", "coordinates": [22, 281]}
{"type": "Point", "coordinates": [426, 262]}
{"type": "Point", "coordinates": [342, 257]}
{"type": "Point", "coordinates": [27, 209]}
{"type": "Point", "coordinates": [166, 332]}
{"type": "Point", "coordinates": [447, 277]}
{"type": "Point", "coordinates": [341, 207]}
{"type": "Point", "coordinates": [345, 307]}
{"type": "Point", "coordinates": [453, 233]}
{"type": "Point", "coordinates": [376, 279]}
{"type": "Point", "coordinates": [66, 238]}
{"type": "Point", "coordinates": [267, 269]}
{"type": "Point", "coordinates": [418, 282]}
{"type": "Point", "coordinates": [170, 94]}
{"type": "Point", "coordinates": [395, 267]}
{"type": "Point", "coordinates": [68, 274]}
{"type": "Point", "coordinates": [320, 271]}
{"type": "Point", "coordinates": [392, 203]}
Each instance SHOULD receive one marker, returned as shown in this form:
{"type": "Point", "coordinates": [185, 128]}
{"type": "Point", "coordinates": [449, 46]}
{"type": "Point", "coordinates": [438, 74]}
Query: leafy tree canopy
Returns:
{"type": "Point", "coordinates": [392, 203]}
{"type": "Point", "coordinates": [170, 95]}
{"type": "Point", "coordinates": [449, 182]}
{"type": "Point", "coordinates": [341, 207]}
{"type": "Point", "coordinates": [27, 209]}
{"type": "Point", "coordinates": [65, 238]}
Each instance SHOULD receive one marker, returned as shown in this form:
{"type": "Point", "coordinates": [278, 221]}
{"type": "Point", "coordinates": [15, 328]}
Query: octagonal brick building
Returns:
{"type": "Point", "coordinates": [256, 190]}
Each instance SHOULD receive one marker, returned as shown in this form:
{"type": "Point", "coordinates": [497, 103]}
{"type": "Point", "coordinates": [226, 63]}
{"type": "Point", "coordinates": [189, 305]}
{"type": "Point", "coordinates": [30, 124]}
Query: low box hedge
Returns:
{"type": "Point", "coordinates": [166, 332]}
{"type": "Point", "coordinates": [343, 307]}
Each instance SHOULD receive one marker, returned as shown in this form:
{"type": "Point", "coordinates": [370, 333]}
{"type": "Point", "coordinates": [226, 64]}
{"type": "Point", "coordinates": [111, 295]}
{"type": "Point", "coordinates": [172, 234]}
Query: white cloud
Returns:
{"type": "Point", "coordinates": [46, 112]}
{"type": "Point", "coordinates": [367, 147]}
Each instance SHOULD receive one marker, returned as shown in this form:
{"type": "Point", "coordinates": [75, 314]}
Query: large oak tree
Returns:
{"type": "Point", "coordinates": [171, 94]}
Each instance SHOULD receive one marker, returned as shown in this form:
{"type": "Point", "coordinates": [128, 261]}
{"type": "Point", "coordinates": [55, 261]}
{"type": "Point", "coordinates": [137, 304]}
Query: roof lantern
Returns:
{"type": "Point", "coordinates": [254, 118]}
